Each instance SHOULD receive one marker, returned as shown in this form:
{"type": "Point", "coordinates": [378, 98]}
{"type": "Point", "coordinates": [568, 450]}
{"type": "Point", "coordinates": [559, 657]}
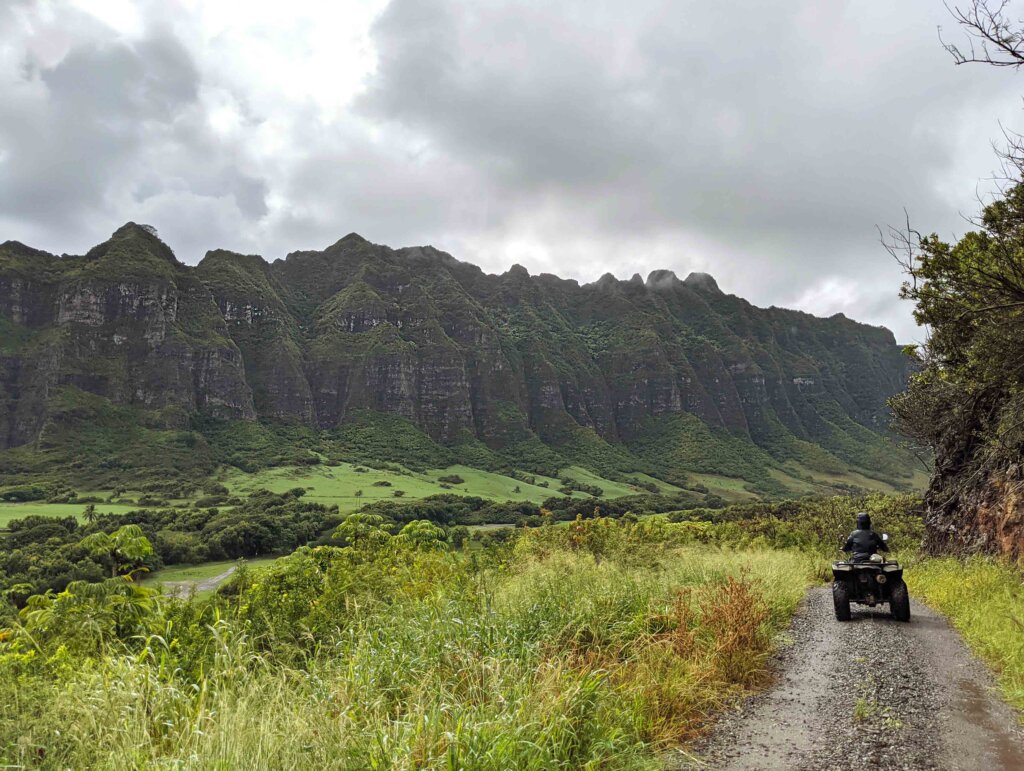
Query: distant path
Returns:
{"type": "Point", "coordinates": [924, 701]}
{"type": "Point", "coordinates": [184, 588]}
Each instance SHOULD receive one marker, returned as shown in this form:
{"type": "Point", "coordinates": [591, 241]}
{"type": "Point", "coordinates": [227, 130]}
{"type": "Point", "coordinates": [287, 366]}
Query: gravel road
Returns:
{"type": "Point", "coordinates": [866, 694]}
{"type": "Point", "coordinates": [184, 588]}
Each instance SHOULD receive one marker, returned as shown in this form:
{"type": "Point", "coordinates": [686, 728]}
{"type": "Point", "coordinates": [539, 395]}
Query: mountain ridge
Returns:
{"type": "Point", "coordinates": [522, 365]}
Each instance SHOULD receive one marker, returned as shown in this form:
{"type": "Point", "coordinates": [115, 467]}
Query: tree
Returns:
{"type": "Point", "coordinates": [362, 530]}
{"type": "Point", "coordinates": [423, 535]}
{"type": "Point", "coordinates": [993, 37]}
{"type": "Point", "coordinates": [121, 549]}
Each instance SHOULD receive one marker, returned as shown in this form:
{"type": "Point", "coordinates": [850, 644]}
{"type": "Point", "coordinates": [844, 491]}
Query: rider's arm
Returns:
{"type": "Point", "coordinates": [848, 546]}
{"type": "Point", "coordinates": [880, 544]}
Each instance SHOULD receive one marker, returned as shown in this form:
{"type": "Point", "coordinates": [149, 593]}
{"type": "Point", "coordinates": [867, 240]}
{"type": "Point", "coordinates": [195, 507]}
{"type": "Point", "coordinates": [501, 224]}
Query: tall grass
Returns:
{"type": "Point", "coordinates": [984, 599]}
{"type": "Point", "coordinates": [589, 653]}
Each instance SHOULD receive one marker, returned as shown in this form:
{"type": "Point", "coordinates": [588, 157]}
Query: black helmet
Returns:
{"type": "Point", "coordinates": [863, 521]}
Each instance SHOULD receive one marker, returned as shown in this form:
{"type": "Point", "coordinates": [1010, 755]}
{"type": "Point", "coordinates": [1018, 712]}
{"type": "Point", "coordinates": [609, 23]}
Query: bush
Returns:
{"type": "Point", "coordinates": [569, 485]}
{"type": "Point", "coordinates": [452, 479]}
{"type": "Point", "coordinates": [209, 501]}
{"type": "Point", "coordinates": [24, 494]}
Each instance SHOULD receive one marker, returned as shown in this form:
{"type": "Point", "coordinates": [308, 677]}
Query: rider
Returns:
{"type": "Point", "coordinates": [864, 541]}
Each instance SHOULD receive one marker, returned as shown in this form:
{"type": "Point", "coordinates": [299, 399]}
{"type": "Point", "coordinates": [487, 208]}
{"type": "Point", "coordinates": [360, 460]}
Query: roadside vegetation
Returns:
{"type": "Point", "coordinates": [590, 643]}
{"type": "Point", "coordinates": [984, 599]}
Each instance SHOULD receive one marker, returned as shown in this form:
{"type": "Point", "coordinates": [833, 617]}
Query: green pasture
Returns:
{"type": "Point", "coordinates": [731, 489]}
{"type": "Point", "coordinates": [340, 484]}
{"type": "Point", "coordinates": [9, 511]}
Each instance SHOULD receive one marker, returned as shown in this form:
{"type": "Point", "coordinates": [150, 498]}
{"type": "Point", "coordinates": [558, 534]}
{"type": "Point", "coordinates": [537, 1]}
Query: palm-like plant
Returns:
{"type": "Point", "coordinates": [120, 549]}
{"type": "Point", "coordinates": [362, 530]}
{"type": "Point", "coordinates": [90, 614]}
{"type": "Point", "coordinates": [423, 535]}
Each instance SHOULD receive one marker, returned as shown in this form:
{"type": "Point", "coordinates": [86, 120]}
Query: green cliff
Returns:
{"type": "Point", "coordinates": [242, 361]}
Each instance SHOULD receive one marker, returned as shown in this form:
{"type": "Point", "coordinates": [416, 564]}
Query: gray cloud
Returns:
{"type": "Point", "coordinates": [106, 130]}
{"type": "Point", "coordinates": [760, 142]}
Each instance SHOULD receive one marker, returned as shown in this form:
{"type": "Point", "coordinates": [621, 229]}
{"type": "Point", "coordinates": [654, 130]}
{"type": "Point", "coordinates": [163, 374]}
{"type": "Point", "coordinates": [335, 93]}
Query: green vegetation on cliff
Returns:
{"type": "Point", "coordinates": [361, 353]}
{"type": "Point", "coordinates": [965, 404]}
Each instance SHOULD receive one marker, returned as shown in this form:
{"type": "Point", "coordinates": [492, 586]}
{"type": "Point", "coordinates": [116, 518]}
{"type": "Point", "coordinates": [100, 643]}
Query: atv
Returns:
{"type": "Point", "coordinates": [871, 583]}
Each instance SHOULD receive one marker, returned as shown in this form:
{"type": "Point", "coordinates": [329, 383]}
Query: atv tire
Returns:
{"type": "Point", "coordinates": [899, 602]}
{"type": "Point", "coordinates": [841, 601]}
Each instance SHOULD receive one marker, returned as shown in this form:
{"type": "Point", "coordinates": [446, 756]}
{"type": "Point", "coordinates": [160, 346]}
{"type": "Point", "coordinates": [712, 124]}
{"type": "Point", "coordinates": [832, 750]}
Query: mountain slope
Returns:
{"type": "Point", "coordinates": [533, 372]}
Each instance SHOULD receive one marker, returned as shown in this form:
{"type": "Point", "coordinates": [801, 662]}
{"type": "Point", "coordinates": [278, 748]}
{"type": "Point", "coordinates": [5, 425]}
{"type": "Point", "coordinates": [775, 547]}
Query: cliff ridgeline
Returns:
{"type": "Point", "coordinates": [106, 356]}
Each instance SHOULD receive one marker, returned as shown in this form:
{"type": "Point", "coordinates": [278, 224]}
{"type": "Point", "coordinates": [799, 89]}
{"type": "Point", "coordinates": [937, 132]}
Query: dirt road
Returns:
{"type": "Point", "coordinates": [870, 693]}
{"type": "Point", "coordinates": [184, 588]}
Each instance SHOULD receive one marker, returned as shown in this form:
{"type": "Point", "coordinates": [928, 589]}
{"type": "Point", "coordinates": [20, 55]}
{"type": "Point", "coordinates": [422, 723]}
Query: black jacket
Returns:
{"type": "Point", "coordinates": [864, 543]}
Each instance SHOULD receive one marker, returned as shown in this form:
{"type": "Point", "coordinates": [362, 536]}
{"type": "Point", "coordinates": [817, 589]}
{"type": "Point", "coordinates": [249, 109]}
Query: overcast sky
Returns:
{"type": "Point", "coordinates": [759, 141]}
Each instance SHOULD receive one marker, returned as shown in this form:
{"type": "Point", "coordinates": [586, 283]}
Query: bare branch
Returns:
{"type": "Point", "coordinates": [1000, 39]}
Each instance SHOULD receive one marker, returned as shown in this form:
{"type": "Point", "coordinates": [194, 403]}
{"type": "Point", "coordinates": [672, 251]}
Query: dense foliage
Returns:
{"type": "Point", "coordinates": [449, 509]}
{"type": "Point", "coordinates": [46, 553]}
{"type": "Point", "coordinates": [966, 403]}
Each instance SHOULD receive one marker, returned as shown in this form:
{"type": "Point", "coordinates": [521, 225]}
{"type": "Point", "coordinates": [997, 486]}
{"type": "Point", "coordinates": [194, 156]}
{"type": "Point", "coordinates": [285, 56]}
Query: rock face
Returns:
{"type": "Point", "coordinates": [413, 332]}
{"type": "Point", "coordinates": [126, 322]}
{"type": "Point", "coordinates": [986, 517]}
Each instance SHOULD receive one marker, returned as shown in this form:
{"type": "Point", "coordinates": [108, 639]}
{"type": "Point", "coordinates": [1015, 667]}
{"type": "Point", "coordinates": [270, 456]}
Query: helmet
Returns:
{"type": "Point", "coordinates": [863, 521]}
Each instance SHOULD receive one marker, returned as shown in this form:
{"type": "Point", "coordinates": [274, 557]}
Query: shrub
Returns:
{"type": "Point", "coordinates": [24, 494]}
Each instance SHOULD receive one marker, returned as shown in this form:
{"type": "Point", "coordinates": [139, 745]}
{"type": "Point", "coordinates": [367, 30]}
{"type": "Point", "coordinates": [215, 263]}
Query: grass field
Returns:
{"type": "Point", "coordinates": [9, 511]}
{"type": "Point", "coordinates": [339, 484]}
{"type": "Point", "coordinates": [730, 488]}
{"type": "Point", "coordinates": [919, 480]}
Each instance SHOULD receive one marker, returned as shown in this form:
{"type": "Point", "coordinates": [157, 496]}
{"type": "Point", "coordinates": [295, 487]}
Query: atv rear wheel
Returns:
{"type": "Point", "coordinates": [899, 602]}
{"type": "Point", "coordinates": [841, 600]}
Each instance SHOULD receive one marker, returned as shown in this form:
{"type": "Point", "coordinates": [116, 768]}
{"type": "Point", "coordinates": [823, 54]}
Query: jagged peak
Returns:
{"type": "Point", "coordinates": [636, 279]}
{"type": "Point", "coordinates": [662, 279]}
{"type": "Point", "coordinates": [703, 281]}
{"type": "Point", "coordinates": [23, 250]}
{"type": "Point", "coordinates": [130, 229]}
{"type": "Point", "coordinates": [351, 241]}
{"type": "Point", "coordinates": [606, 283]}
{"type": "Point", "coordinates": [245, 260]}
{"type": "Point", "coordinates": [518, 271]}
{"type": "Point", "coordinates": [140, 233]}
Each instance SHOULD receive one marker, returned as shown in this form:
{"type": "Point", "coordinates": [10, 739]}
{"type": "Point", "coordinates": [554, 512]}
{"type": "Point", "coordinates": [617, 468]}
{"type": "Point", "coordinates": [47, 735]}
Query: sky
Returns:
{"type": "Point", "coordinates": [760, 141]}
